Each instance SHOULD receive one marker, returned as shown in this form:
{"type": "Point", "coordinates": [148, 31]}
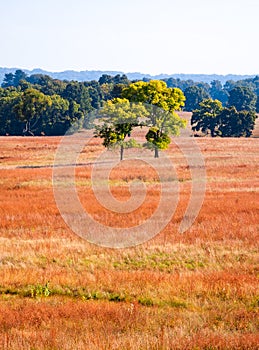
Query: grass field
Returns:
{"type": "Point", "coordinates": [197, 290]}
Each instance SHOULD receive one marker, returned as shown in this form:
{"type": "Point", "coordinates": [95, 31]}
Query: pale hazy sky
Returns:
{"type": "Point", "coordinates": [148, 36]}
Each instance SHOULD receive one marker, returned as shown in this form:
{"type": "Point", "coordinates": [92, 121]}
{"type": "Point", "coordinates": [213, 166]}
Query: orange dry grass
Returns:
{"type": "Point", "coordinates": [111, 326]}
{"type": "Point", "coordinates": [256, 129]}
{"type": "Point", "coordinates": [196, 290]}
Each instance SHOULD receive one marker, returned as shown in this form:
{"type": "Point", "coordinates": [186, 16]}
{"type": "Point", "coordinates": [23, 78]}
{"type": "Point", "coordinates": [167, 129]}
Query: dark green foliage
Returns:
{"type": "Point", "coordinates": [236, 124]}
{"type": "Point", "coordinates": [56, 120]}
{"type": "Point", "coordinates": [13, 79]}
{"type": "Point", "coordinates": [229, 85]}
{"type": "Point", "coordinates": [105, 79]}
{"type": "Point", "coordinates": [111, 87]}
{"type": "Point", "coordinates": [117, 79]}
{"type": "Point", "coordinates": [194, 95]}
{"type": "Point", "coordinates": [116, 92]}
{"type": "Point", "coordinates": [205, 118]}
{"type": "Point", "coordinates": [257, 104]}
{"type": "Point", "coordinates": [243, 98]}
{"type": "Point", "coordinates": [46, 84]}
{"type": "Point", "coordinates": [181, 84]}
{"type": "Point", "coordinates": [9, 124]}
{"type": "Point", "coordinates": [251, 83]}
{"type": "Point", "coordinates": [29, 109]}
{"type": "Point", "coordinates": [67, 103]}
{"type": "Point", "coordinates": [41, 105]}
{"type": "Point", "coordinates": [184, 84]}
{"type": "Point", "coordinates": [95, 93]}
{"type": "Point", "coordinates": [30, 112]}
{"type": "Point", "coordinates": [218, 93]}
{"type": "Point", "coordinates": [78, 93]}
{"type": "Point", "coordinates": [225, 122]}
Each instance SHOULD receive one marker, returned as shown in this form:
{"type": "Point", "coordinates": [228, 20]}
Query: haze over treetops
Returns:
{"type": "Point", "coordinates": [88, 75]}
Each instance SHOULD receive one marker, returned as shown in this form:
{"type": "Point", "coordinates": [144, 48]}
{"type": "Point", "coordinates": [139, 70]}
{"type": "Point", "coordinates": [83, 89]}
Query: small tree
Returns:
{"type": "Point", "coordinates": [119, 117]}
{"type": "Point", "coordinates": [206, 118]}
{"type": "Point", "coordinates": [161, 103]}
{"type": "Point", "coordinates": [157, 140]}
{"type": "Point", "coordinates": [162, 124]}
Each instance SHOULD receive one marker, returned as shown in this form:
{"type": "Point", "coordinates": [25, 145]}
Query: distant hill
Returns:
{"type": "Point", "coordinates": [96, 74]}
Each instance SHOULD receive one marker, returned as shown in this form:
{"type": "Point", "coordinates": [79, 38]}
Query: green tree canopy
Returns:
{"type": "Point", "coordinates": [225, 122]}
{"type": "Point", "coordinates": [194, 95]}
{"type": "Point", "coordinates": [11, 79]}
{"type": "Point", "coordinates": [217, 92]}
{"type": "Point", "coordinates": [236, 124]}
{"type": "Point", "coordinates": [95, 93]}
{"type": "Point", "coordinates": [161, 103]}
{"type": "Point", "coordinates": [119, 117]}
{"type": "Point", "coordinates": [46, 84]}
{"type": "Point", "coordinates": [30, 108]}
{"type": "Point", "coordinates": [56, 119]}
{"type": "Point", "coordinates": [205, 119]}
{"type": "Point", "coordinates": [156, 93]}
{"type": "Point", "coordinates": [78, 93]}
{"type": "Point", "coordinates": [9, 124]}
{"type": "Point", "coordinates": [243, 98]}
{"type": "Point", "coordinates": [257, 104]}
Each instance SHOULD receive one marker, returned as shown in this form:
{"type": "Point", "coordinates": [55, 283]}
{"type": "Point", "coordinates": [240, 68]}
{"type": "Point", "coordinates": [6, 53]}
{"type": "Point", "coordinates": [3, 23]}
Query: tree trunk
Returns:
{"type": "Point", "coordinates": [27, 130]}
{"type": "Point", "coordinates": [121, 152]}
{"type": "Point", "coordinates": [156, 153]}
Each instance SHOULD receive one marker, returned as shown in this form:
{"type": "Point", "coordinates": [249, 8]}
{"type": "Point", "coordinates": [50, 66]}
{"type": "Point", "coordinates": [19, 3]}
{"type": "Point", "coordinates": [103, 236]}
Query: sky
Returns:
{"type": "Point", "coordinates": [147, 36]}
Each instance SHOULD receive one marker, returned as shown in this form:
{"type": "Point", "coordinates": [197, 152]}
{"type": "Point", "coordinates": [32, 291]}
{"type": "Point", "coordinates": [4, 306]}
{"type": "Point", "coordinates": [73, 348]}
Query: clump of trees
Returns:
{"type": "Point", "coordinates": [151, 104]}
{"type": "Point", "coordinates": [214, 119]}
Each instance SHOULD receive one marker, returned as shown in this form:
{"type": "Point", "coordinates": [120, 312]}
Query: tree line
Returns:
{"type": "Point", "coordinates": [227, 94]}
{"type": "Point", "coordinates": [40, 105]}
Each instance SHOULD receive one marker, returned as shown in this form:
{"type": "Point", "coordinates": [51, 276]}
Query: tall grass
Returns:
{"type": "Point", "coordinates": [197, 290]}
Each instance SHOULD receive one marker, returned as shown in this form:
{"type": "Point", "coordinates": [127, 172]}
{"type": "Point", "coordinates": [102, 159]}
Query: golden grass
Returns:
{"type": "Point", "coordinates": [197, 290]}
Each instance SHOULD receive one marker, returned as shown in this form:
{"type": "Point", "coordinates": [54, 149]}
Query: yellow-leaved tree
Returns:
{"type": "Point", "coordinates": [161, 103]}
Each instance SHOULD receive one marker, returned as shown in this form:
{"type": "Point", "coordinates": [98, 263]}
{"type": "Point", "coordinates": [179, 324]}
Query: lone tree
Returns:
{"type": "Point", "coordinates": [119, 117]}
{"type": "Point", "coordinates": [205, 119]}
{"type": "Point", "coordinates": [161, 103]}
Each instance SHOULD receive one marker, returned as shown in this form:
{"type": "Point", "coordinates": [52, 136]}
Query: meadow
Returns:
{"type": "Point", "coordinates": [197, 290]}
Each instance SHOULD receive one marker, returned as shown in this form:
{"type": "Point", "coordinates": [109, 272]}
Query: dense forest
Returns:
{"type": "Point", "coordinates": [40, 105]}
